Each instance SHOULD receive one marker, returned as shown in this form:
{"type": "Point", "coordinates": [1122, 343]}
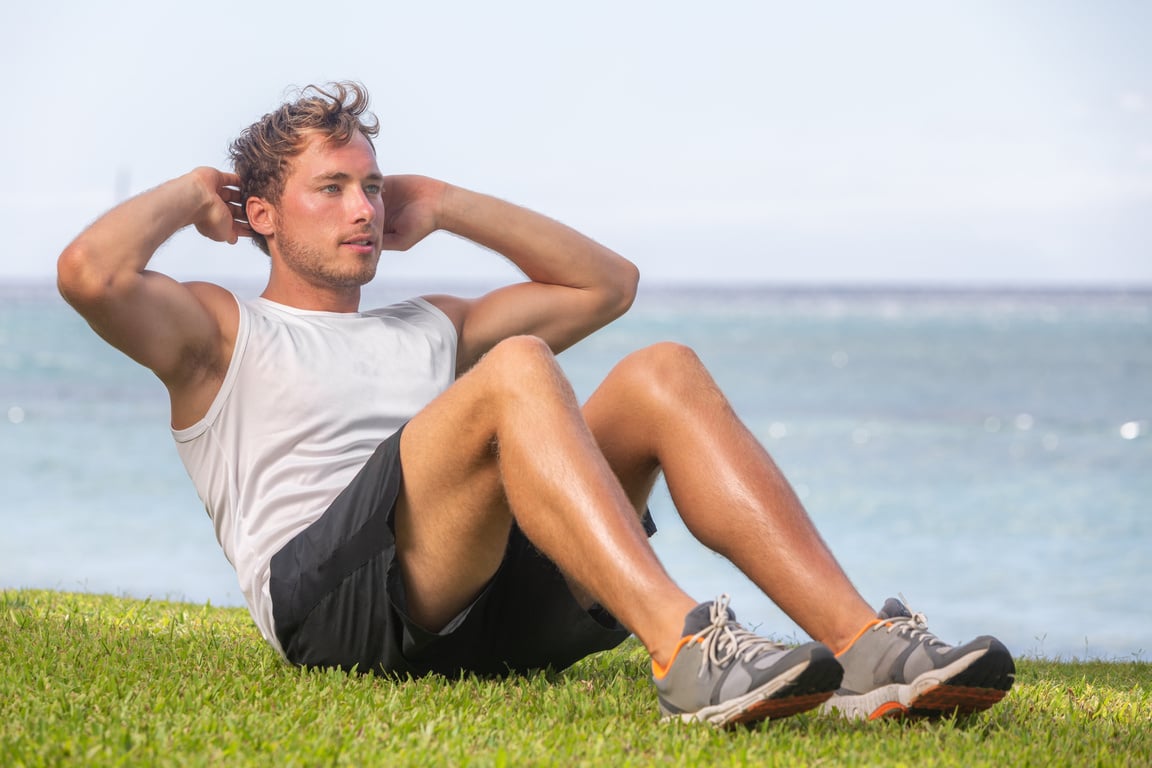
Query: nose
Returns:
{"type": "Point", "coordinates": [361, 206]}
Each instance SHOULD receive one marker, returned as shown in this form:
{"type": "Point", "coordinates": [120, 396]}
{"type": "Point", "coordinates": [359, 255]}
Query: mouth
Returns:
{"type": "Point", "coordinates": [361, 244]}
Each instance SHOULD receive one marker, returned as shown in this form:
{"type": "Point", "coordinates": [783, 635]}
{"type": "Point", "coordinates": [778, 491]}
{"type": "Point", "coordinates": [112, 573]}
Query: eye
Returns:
{"type": "Point", "coordinates": [330, 188]}
{"type": "Point", "coordinates": [374, 189]}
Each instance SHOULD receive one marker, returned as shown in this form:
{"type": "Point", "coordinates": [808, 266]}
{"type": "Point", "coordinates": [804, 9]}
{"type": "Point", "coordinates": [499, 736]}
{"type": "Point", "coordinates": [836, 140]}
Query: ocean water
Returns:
{"type": "Point", "coordinates": [986, 454]}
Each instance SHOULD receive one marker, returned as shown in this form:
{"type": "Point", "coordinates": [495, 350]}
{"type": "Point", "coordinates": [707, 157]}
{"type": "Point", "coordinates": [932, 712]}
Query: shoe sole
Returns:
{"type": "Point", "coordinates": [970, 684]}
{"type": "Point", "coordinates": [801, 688]}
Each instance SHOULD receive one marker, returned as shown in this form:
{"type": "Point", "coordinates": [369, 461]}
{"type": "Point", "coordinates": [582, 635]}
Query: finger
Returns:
{"type": "Point", "coordinates": [238, 230]}
{"type": "Point", "coordinates": [231, 195]}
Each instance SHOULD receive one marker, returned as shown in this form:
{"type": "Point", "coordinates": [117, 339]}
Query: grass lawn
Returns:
{"type": "Point", "coordinates": [95, 680]}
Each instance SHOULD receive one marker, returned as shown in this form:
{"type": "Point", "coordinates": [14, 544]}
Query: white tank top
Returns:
{"type": "Point", "coordinates": [307, 398]}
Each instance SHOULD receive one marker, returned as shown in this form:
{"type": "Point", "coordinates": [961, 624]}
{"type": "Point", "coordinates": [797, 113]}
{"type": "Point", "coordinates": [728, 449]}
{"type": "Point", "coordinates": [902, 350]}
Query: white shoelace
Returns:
{"type": "Point", "coordinates": [914, 627]}
{"type": "Point", "coordinates": [725, 639]}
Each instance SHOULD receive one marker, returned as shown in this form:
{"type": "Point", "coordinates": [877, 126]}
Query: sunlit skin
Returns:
{"type": "Point", "coordinates": [324, 233]}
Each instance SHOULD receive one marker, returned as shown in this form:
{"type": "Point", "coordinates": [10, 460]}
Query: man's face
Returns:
{"type": "Point", "coordinates": [329, 220]}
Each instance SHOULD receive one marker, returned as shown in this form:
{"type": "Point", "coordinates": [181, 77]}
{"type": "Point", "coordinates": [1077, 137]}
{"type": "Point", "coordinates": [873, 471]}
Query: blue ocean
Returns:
{"type": "Point", "coordinates": [987, 454]}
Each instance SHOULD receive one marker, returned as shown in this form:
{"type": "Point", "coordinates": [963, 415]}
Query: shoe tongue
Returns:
{"type": "Point", "coordinates": [700, 617]}
{"type": "Point", "coordinates": [893, 609]}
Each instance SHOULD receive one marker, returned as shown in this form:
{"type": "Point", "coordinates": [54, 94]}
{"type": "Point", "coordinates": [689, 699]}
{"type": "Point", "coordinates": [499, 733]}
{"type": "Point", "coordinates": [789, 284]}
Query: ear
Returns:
{"type": "Point", "coordinates": [261, 215]}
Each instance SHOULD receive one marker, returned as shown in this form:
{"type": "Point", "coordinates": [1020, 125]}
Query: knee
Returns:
{"type": "Point", "coordinates": [662, 370]}
{"type": "Point", "coordinates": [517, 352]}
{"type": "Point", "coordinates": [522, 362]}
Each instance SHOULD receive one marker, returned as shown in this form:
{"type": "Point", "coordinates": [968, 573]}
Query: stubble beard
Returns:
{"type": "Point", "coordinates": [310, 263]}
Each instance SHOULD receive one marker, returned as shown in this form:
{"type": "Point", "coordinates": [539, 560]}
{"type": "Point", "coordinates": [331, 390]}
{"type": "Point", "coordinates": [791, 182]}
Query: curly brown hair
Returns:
{"type": "Point", "coordinates": [262, 153]}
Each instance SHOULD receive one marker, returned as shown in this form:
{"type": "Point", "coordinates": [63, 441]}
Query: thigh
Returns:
{"type": "Point", "coordinates": [451, 519]}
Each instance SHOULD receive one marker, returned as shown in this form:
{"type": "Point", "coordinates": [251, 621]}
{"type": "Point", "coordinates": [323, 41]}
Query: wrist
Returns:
{"type": "Point", "coordinates": [458, 210]}
{"type": "Point", "coordinates": [198, 194]}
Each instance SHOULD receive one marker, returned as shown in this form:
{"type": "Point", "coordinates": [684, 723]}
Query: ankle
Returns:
{"type": "Point", "coordinates": [667, 639]}
{"type": "Point", "coordinates": [661, 663]}
{"type": "Point", "coordinates": [845, 643]}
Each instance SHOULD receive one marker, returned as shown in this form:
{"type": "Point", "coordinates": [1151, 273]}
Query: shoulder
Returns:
{"type": "Point", "coordinates": [215, 298]}
{"type": "Point", "coordinates": [454, 308]}
{"type": "Point", "coordinates": [222, 305]}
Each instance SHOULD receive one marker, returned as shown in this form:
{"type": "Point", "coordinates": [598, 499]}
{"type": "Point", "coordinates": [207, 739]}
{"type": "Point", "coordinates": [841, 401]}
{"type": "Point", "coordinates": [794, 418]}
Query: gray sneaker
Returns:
{"type": "Point", "coordinates": [723, 674]}
{"type": "Point", "coordinates": [897, 667]}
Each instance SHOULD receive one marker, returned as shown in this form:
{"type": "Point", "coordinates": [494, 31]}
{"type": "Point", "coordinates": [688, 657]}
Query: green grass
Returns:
{"type": "Point", "coordinates": [97, 680]}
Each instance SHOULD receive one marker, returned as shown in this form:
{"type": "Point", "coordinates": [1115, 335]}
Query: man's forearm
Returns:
{"type": "Point", "coordinates": [118, 246]}
{"type": "Point", "coordinates": [544, 249]}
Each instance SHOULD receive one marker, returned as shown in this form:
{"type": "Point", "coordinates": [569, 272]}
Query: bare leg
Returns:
{"type": "Point", "coordinates": [507, 442]}
{"type": "Point", "coordinates": [661, 410]}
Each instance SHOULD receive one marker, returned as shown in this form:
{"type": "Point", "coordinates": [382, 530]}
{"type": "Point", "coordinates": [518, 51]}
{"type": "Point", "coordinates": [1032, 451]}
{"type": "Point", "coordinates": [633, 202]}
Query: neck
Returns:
{"type": "Point", "coordinates": [294, 292]}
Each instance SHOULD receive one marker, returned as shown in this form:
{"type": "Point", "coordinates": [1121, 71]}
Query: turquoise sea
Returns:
{"type": "Point", "coordinates": [986, 453]}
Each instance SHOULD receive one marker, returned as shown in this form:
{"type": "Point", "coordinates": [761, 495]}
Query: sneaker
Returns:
{"type": "Point", "coordinates": [896, 667]}
{"type": "Point", "coordinates": [723, 674]}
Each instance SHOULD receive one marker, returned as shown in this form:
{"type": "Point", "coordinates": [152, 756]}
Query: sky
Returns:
{"type": "Point", "coordinates": [971, 143]}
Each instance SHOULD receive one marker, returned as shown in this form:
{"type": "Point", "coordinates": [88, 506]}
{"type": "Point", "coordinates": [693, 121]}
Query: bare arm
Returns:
{"type": "Point", "coordinates": [171, 328]}
{"type": "Point", "coordinates": [577, 285]}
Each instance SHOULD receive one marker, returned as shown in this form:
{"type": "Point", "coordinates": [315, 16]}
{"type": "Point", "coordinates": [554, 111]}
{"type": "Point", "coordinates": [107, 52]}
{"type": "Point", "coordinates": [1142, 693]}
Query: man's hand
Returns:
{"type": "Point", "coordinates": [222, 217]}
{"type": "Point", "coordinates": [412, 206]}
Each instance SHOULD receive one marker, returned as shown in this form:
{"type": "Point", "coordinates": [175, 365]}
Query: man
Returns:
{"type": "Point", "coordinates": [415, 489]}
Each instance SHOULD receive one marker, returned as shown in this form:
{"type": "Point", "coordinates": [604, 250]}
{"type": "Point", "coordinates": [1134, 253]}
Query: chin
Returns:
{"type": "Point", "coordinates": [363, 275]}
{"type": "Point", "coordinates": [368, 275]}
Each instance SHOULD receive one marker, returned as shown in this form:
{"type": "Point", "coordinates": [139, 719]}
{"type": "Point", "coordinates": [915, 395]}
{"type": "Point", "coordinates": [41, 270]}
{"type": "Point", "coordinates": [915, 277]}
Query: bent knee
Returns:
{"type": "Point", "coordinates": [663, 362]}
{"type": "Point", "coordinates": [665, 372]}
{"type": "Point", "coordinates": [522, 362]}
{"type": "Point", "coordinates": [518, 353]}
{"type": "Point", "coordinates": [669, 355]}
{"type": "Point", "coordinates": [521, 345]}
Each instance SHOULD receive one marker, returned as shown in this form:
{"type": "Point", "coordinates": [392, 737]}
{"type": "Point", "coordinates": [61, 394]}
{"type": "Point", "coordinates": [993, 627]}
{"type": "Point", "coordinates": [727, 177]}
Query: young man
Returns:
{"type": "Point", "coordinates": [415, 489]}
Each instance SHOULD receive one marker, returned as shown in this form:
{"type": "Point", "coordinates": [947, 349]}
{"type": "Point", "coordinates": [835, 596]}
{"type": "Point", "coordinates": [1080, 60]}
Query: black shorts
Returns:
{"type": "Point", "coordinates": [338, 597]}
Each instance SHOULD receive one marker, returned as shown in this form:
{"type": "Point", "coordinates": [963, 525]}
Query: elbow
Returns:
{"type": "Point", "coordinates": [626, 285]}
{"type": "Point", "coordinates": [70, 274]}
{"type": "Point", "coordinates": [78, 281]}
